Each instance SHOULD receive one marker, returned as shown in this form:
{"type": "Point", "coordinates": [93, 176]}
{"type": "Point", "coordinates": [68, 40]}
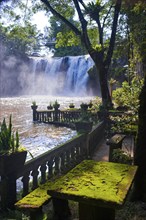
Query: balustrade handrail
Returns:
{"type": "Point", "coordinates": [50, 153]}
{"type": "Point", "coordinates": [53, 116]}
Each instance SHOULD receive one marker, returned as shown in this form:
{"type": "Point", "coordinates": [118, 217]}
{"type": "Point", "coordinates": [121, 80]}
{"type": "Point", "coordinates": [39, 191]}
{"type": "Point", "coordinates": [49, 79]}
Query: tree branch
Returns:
{"type": "Point", "coordinates": [55, 13]}
{"type": "Point", "coordinates": [95, 16]}
{"type": "Point", "coordinates": [84, 38]}
{"type": "Point", "coordinates": [113, 34]}
{"type": "Point", "coordinates": [106, 16]}
{"type": "Point", "coordinates": [83, 4]}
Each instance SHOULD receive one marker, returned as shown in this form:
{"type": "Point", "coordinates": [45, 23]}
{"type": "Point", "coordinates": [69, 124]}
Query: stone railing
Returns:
{"type": "Point", "coordinates": [67, 117]}
{"type": "Point", "coordinates": [57, 116]}
{"type": "Point", "coordinates": [54, 162]}
{"type": "Point", "coordinates": [95, 137]}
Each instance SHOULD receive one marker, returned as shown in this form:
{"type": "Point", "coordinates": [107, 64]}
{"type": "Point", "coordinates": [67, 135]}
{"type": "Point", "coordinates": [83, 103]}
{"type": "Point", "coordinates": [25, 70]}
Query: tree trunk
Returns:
{"type": "Point", "coordinates": [106, 98]}
{"type": "Point", "coordinates": [140, 151]}
{"type": "Point", "coordinates": [103, 72]}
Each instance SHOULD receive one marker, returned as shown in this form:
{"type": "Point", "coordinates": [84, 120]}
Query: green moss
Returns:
{"type": "Point", "coordinates": [36, 198]}
{"type": "Point", "coordinates": [100, 183]}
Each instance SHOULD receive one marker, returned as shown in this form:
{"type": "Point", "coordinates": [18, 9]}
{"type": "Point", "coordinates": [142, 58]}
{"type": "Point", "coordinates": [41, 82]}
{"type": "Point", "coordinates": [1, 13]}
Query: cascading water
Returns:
{"type": "Point", "coordinates": [67, 76]}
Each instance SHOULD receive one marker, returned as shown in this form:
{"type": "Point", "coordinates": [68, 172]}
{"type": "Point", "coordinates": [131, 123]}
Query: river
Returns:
{"type": "Point", "coordinates": [37, 137]}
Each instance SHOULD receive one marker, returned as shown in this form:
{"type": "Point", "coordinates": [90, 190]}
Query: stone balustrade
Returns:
{"type": "Point", "coordinates": [53, 163]}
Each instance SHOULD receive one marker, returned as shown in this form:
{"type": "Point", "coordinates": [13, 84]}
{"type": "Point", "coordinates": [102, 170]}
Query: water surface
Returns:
{"type": "Point", "coordinates": [37, 137]}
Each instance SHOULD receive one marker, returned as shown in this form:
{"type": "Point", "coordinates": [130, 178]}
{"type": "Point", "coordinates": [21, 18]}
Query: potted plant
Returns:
{"type": "Point", "coordinates": [120, 156]}
{"type": "Point", "coordinates": [90, 104]}
{"type": "Point", "coordinates": [84, 123]}
{"type": "Point", "coordinates": [56, 105]}
{"type": "Point", "coordinates": [12, 156]}
{"type": "Point", "coordinates": [50, 106]}
{"type": "Point", "coordinates": [84, 106]}
{"type": "Point", "coordinates": [71, 105]}
{"type": "Point", "coordinates": [34, 106]}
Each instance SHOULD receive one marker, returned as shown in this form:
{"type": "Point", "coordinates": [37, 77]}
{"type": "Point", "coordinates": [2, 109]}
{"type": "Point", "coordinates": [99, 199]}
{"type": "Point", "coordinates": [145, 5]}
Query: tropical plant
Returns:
{"type": "Point", "coordinates": [34, 103]}
{"type": "Point", "coordinates": [125, 123]}
{"type": "Point", "coordinates": [71, 105]}
{"type": "Point", "coordinates": [128, 94]}
{"type": "Point", "coordinates": [9, 141]}
{"type": "Point", "coordinates": [84, 106]}
{"type": "Point", "coordinates": [120, 156]}
{"type": "Point", "coordinates": [50, 106]}
{"type": "Point", "coordinates": [56, 104]}
{"type": "Point", "coordinates": [90, 104]}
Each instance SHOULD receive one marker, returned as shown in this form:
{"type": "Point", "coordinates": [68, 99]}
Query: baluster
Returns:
{"type": "Point", "coordinates": [83, 151]}
{"type": "Point", "coordinates": [58, 115]}
{"type": "Point", "coordinates": [65, 160]}
{"type": "Point", "coordinates": [62, 119]}
{"type": "Point", "coordinates": [77, 154]}
{"type": "Point", "coordinates": [73, 162]}
{"type": "Point", "coordinates": [34, 175]}
{"type": "Point", "coordinates": [43, 117]}
{"type": "Point", "coordinates": [25, 180]}
{"type": "Point", "coordinates": [47, 117]}
{"type": "Point", "coordinates": [52, 116]}
{"type": "Point", "coordinates": [37, 116]}
{"type": "Point", "coordinates": [63, 116]}
{"type": "Point", "coordinates": [50, 168]}
{"type": "Point", "coordinates": [43, 169]}
{"type": "Point", "coordinates": [72, 117]}
{"type": "Point", "coordinates": [62, 161]}
{"type": "Point", "coordinates": [69, 117]}
{"type": "Point", "coordinates": [57, 160]}
{"type": "Point", "coordinates": [68, 159]}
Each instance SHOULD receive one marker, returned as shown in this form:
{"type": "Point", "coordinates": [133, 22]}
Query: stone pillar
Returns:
{"type": "Point", "coordinates": [34, 108]}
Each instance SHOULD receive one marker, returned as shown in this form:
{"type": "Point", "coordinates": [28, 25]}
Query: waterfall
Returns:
{"type": "Point", "coordinates": [66, 76]}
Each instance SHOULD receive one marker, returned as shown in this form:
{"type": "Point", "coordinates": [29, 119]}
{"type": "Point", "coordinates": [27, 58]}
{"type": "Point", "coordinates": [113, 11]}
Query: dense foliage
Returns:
{"type": "Point", "coordinates": [128, 94]}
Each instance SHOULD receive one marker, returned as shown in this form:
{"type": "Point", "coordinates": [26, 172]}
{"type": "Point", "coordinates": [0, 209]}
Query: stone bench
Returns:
{"type": "Point", "coordinates": [115, 142]}
{"type": "Point", "coordinates": [32, 203]}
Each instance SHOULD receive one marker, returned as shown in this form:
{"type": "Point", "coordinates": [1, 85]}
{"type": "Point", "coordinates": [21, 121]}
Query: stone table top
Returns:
{"type": "Point", "coordinates": [101, 183]}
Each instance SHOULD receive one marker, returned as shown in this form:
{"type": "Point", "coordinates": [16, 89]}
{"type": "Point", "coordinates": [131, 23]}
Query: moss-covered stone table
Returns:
{"type": "Point", "coordinates": [99, 187]}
